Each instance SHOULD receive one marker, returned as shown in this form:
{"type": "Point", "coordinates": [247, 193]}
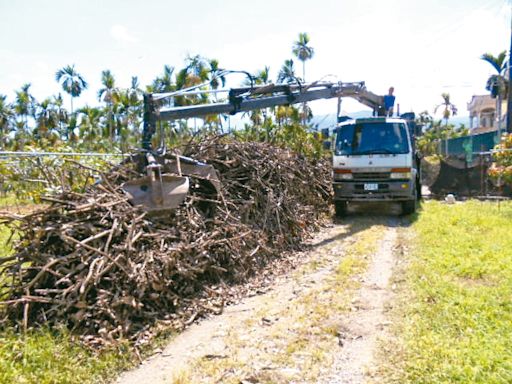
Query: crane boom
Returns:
{"type": "Point", "coordinates": [257, 97]}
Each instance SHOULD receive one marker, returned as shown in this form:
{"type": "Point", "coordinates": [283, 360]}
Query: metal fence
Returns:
{"type": "Point", "coordinates": [468, 145]}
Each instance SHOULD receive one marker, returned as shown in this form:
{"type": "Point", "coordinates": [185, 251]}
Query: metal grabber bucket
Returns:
{"type": "Point", "coordinates": [157, 191]}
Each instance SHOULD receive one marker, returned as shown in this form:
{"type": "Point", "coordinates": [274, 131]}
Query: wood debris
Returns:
{"type": "Point", "coordinates": [108, 270]}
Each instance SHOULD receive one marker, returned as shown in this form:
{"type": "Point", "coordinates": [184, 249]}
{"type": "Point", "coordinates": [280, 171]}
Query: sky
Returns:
{"type": "Point", "coordinates": [421, 48]}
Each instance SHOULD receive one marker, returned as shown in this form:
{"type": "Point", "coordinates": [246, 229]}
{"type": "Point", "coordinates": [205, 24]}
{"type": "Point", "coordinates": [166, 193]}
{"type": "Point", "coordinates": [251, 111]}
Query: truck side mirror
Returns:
{"type": "Point", "coordinates": [327, 145]}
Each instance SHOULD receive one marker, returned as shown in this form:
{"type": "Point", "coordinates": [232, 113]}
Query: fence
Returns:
{"type": "Point", "coordinates": [468, 145]}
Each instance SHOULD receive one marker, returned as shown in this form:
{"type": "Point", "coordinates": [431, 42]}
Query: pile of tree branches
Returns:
{"type": "Point", "coordinates": [109, 270]}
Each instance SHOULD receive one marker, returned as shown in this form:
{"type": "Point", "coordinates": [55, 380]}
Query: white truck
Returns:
{"type": "Point", "coordinates": [375, 159]}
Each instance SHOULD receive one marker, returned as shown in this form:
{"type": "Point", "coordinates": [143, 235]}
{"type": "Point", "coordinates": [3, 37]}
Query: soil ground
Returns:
{"type": "Point", "coordinates": [274, 337]}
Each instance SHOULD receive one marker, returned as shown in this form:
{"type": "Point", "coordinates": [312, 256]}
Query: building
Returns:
{"type": "Point", "coordinates": [483, 116]}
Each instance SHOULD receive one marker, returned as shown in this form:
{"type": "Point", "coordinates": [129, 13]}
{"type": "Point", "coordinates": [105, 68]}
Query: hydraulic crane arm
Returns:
{"type": "Point", "coordinates": [251, 98]}
{"type": "Point", "coordinates": [167, 182]}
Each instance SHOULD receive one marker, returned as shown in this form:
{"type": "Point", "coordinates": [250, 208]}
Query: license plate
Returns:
{"type": "Point", "coordinates": [371, 187]}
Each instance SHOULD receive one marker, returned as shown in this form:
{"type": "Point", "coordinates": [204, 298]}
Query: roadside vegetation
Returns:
{"type": "Point", "coordinates": [434, 131]}
{"type": "Point", "coordinates": [453, 318]}
{"type": "Point", "coordinates": [54, 356]}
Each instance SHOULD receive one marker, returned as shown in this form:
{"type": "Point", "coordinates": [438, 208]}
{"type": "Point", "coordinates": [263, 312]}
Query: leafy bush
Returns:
{"type": "Point", "coordinates": [28, 178]}
{"type": "Point", "coordinates": [501, 168]}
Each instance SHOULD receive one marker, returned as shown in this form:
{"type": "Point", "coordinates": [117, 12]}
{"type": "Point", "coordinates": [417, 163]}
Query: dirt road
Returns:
{"type": "Point", "coordinates": [318, 324]}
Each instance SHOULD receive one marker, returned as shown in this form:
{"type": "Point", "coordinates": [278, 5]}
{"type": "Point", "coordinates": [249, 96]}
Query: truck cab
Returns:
{"type": "Point", "coordinates": [374, 159]}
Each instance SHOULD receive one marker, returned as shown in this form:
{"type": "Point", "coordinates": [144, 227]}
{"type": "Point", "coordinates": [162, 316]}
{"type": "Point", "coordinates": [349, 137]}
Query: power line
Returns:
{"type": "Point", "coordinates": [5, 154]}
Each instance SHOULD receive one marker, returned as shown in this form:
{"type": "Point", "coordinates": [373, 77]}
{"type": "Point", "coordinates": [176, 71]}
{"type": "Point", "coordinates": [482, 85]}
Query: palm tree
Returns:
{"type": "Point", "coordinates": [303, 51]}
{"type": "Point", "coordinates": [306, 113]}
{"type": "Point", "coordinates": [108, 92]}
{"type": "Point", "coordinates": [263, 76]}
{"type": "Point", "coordinates": [62, 116]}
{"type": "Point", "coordinates": [6, 114]}
{"type": "Point", "coordinates": [287, 72]}
{"type": "Point", "coordinates": [71, 81]}
{"type": "Point", "coordinates": [197, 67]}
{"type": "Point", "coordinates": [134, 104]}
{"type": "Point", "coordinates": [46, 117]}
{"type": "Point", "coordinates": [163, 83]}
{"type": "Point", "coordinates": [128, 113]}
{"type": "Point", "coordinates": [135, 92]}
{"type": "Point", "coordinates": [194, 73]}
{"type": "Point", "coordinates": [110, 95]}
{"type": "Point", "coordinates": [449, 108]}
{"type": "Point", "coordinates": [23, 107]}
{"type": "Point", "coordinates": [497, 84]}
{"type": "Point", "coordinates": [215, 74]}
{"type": "Point", "coordinates": [90, 124]}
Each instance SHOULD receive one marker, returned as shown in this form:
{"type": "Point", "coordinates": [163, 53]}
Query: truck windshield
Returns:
{"type": "Point", "coordinates": [372, 138]}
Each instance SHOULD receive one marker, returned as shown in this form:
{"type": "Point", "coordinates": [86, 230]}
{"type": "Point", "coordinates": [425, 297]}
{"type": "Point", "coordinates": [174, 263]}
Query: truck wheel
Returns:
{"type": "Point", "coordinates": [409, 206]}
{"type": "Point", "coordinates": [340, 207]}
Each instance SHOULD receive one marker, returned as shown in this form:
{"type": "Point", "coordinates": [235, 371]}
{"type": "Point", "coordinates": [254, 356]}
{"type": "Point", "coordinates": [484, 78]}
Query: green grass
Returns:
{"type": "Point", "coordinates": [53, 357]}
{"type": "Point", "coordinates": [454, 312]}
{"type": "Point", "coordinates": [13, 201]}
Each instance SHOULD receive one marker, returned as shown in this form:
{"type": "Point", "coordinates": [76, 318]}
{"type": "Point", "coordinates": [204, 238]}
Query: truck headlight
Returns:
{"type": "Point", "coordinates": [343, 174]}
{"type": "Point", "coordinates": [401, 173]}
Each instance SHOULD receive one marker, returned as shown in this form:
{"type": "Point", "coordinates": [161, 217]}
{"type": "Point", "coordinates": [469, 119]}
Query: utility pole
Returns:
{"type": "Point", "coordinates": [509, 95]}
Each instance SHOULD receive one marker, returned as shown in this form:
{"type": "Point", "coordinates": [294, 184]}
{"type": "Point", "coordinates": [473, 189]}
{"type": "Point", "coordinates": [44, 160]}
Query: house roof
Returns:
{"type": "Point", "coordinates": [480, 102]}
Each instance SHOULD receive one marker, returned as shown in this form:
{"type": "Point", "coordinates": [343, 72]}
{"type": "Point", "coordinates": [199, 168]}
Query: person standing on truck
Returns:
{"type": "Point", "coordinates": [389, 102]}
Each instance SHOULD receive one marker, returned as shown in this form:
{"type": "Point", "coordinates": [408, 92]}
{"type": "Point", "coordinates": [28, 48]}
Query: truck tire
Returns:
{"type": "Point", "coordinates": [409, 206]}
{"type": "Point", "coordinates": [340, 207]}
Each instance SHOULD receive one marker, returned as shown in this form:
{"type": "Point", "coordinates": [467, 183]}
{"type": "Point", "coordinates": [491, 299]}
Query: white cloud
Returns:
{"type": "Point", "coordinates": [121, 33]}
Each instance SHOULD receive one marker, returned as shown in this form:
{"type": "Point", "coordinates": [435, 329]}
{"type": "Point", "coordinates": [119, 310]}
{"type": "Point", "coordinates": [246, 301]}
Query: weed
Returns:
{"type": "Point", "coordinates": [453, 315]}
{"type": "Point", "coordinates": [45, 356]}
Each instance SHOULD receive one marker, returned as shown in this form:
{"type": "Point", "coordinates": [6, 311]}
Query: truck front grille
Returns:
{"type": "Point", "coordinates": [371, 176]}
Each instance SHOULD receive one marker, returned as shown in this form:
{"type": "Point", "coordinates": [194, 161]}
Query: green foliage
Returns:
{"type": "Point", "coordinates": [434, 131]}
{"type": "Point", "coordinates": [501, 169]}
{"type": "Point", "coordinates": [287, 133]}
{"type": "Point", "coordinates": [497, 83]}
{"type": "Point", "coordinates": [454, 317]}
{"type": "Point", "coordinates": [449, 109]}
{"type": "Point", "coordinates": [71, 81]}
{"type": "Point", "coordinates": [303, 51]}
{"type": "Point", "coordinates": [287, 72]}
{"type": "Point", "coordinates": [27, 178]}
{"type": "Point", "coordinates": [5, 235]}
{"type": "Point", "coordinates": [52, 356]}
